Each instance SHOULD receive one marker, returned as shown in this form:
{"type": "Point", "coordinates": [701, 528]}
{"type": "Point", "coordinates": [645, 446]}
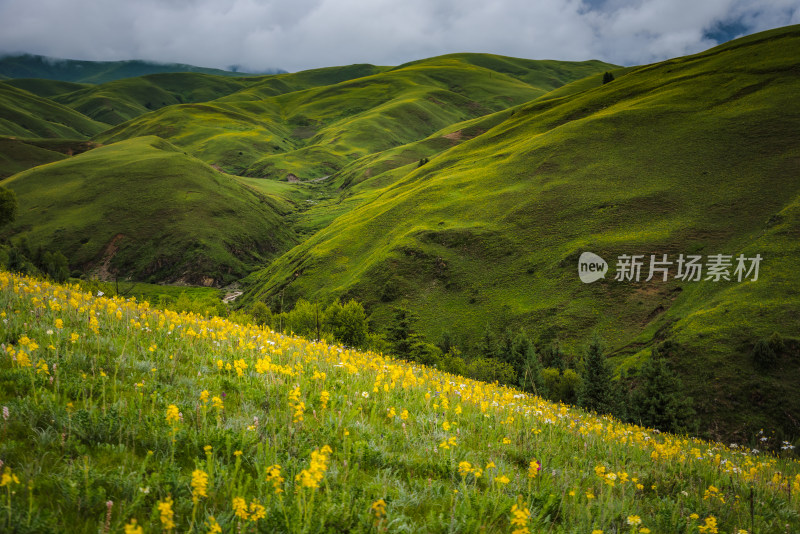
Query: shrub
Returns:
{"type": "Point", "coordinates": [764, 356]}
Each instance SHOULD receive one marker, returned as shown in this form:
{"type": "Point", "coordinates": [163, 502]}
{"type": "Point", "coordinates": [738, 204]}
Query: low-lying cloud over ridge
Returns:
{"type": "Point", "coordinates": [263, 34]}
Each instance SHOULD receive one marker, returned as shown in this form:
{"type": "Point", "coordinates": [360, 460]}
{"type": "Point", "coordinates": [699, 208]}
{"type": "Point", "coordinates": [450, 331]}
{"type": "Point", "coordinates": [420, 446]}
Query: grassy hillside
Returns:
{"type": "Point", "coordinates": [312, 124]}
{"type": "Point", "coordinates": [45, 88]}
{"type": "Point", "coordinates": [696, 155]}
{"type": "Point", "coordinates": [118, 415]}
{"type": "Point", "coordinates": [297, 81]}
{"type": "Point", "coordinates": [118, 101]}
{"type": "Point", "coordinates": [70, 70]}
{"type": "Point", "coordinates": [464, 187]}
{"type": "Point", "coordinates": [17, 156]}
{"type": "Point", "coordinates": [24, 114]}
{"type": "Point", "coordinates": [143, 208]}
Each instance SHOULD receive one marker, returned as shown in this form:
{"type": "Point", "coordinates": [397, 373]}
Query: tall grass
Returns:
{"type": "Point", "coordinates": [118, 416]}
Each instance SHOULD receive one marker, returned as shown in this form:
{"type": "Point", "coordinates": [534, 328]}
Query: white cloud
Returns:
{"type": "Point", "coordinates": [260, 34]}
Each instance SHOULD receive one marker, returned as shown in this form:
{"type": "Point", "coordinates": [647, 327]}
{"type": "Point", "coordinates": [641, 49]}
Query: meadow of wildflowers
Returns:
{"type": "Point", "coordinates": [117, 417]}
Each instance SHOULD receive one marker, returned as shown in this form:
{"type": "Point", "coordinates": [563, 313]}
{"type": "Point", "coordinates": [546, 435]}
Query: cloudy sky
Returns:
{"type": "Point", "coordinates": [301, 34]}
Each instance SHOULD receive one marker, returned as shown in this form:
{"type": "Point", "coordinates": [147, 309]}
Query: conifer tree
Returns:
{"type": "Point", "coordinates": [488, 345]}
{"type": "Point", "coordinates": [659, 401]}
{"type": "Point", "coordinates": [400, 331]}
{"type": "Point", "coordinates": [526, 364]}
{"type": "Point", "coordinates": [598, 389]}
{"type": "Point", "coordinates": [8, 206]}
{"type": "Point", "coordinates": [553, 357]}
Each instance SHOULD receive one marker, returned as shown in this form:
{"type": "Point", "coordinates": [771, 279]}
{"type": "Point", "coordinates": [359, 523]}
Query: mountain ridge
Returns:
{"type": "Point", "coordinates": [96, 72]}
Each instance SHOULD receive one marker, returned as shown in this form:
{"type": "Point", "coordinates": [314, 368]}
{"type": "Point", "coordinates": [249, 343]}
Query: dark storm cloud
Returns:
{"type": "Point", "coordinates": [260, 34]}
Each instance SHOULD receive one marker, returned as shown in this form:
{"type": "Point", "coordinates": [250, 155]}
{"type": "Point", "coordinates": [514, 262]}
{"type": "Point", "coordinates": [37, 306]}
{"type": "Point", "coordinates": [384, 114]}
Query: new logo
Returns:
{"type": "Point", "coordinates": [591, 267]}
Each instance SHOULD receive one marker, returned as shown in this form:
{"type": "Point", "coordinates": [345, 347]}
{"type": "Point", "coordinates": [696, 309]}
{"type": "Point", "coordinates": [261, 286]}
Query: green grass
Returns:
{"type": "Point", "coordinates": [17, 155]}
{"type": "Point", "coordinates": [530, 163]}
{"type": "Point", "coordinates": [117, 413]}
{"type": "Point", "coordinates": [313, 123]}
{"type": "Point", "coordinates": [180, 298]}
{"type": "Point", "coordinates": [118, 101]}
{"type": "Point", "coordinates": [24, 114]}
{"type": "Point", "coordinates": [143, 208]}
{"type": "Point", "coordinates": [45, 88]}
{"type": "Point", "coordinates": [692, 155]}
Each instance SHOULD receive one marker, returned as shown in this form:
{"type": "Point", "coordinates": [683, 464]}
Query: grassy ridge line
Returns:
{"type": "Point", "coordinates": [145, 208]}
{"type": "Point", "coordinates": [122, 100]}
{"type": "Point", "coordinates": [146, 398]}
{"type": "Point", "coordinates": [313, 123]}
{"type": "Point", "coordinates": [297, 81]}
{"type": "Point", "coordinates": [24, 114]}
{"type": "Point", "coordinates": [45, 88]}
{"type": "Point", "coordinates": [219, 134]}
{"type": "Point", "coordinates": [544, 74]}
{"type": "Point", "coordinates": [374, 113]}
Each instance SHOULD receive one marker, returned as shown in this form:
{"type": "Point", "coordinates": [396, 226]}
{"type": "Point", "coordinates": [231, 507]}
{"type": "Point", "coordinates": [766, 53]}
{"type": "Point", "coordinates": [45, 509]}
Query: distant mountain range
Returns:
{"type": "Point", "coordinates": [95, 72]}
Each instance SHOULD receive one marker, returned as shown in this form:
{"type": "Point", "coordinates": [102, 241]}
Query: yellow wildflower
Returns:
{"type": "Point", "coordinates": [379, 509]}
{"type": "Point", "coordinates": [274, 476]}
{"type": "Point", "coordinates": [710, 525]}
{"type": "Point", "coordinates": [199, 484]}
{"type": "Point", "coordinates": [634, 520]}
{"type": "Point", "coordinates": [213, 526]}
{"type": "Point", "coordinates": [520, 517]}
{"type": "Point", "coordinates": [166, 514]}
{"type": "Point", "coordinates": [464, 468]}
{"type": "Point", "coordinates": [257, 511]}
{"type": "Point", "coordinates": [133, 528]}
{"type": "Point", "coordinates": [240, 508]}
{"type": "Point", "coordinates": [173, 414]}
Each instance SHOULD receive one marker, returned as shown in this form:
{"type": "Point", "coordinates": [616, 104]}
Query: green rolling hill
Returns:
{"type": "Point", "coordinates": [143, 208]}
{"type": "Point", "coordinates": [312, 124]}
{"type": "Point", "coordinates": [45, 88]}
{"type": "Point", "coordinates": [121, 100]}
{"type": "Point", "coordinates": [464, 187]}
{"type": "Point", "coordinates": [24, 114]}
{"type": "Point", "coordinates": [696, 155]}
{"type": "Point", "coordinates": [17, 155]}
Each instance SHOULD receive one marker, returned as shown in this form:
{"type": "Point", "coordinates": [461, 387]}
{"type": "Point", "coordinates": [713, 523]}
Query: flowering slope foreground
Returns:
{"type": "Point", "coordinates": [121, 418]}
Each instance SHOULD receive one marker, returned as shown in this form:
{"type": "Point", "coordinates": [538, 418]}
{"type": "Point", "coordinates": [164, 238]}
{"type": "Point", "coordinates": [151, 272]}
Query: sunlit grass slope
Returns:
{"type": "Point", "coordinates": [696, 155]}
{"type": "Point", "coordinates": [27, 115]}
{"type": "Point", "coordinates": [118, 101]}
{"type": "Point", "coordinates": [219, 134]}
{"type": "Point", "coordinates": [117, 414]}
{"type": "Point", "coordinates": [279, 84]}
{"type": "Point", "coordinates": [143, 208]}
{"type": "Point", "coordinates": [313, 123]}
